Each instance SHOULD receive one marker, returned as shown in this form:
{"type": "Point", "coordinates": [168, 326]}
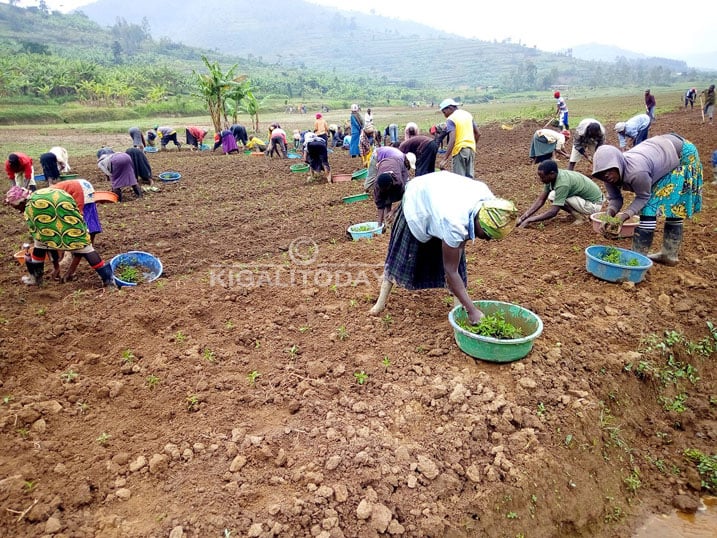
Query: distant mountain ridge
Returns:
{"type": "Point", "coordinates": [295, 33]}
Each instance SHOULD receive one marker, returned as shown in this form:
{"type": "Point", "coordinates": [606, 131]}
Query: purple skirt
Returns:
{"type": "Point", "coordinates": [122, 171]}
{"type": "Point", "coordinates": [92, 219]}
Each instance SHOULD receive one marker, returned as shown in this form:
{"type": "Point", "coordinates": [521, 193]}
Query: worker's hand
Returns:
{"type": "Point", "coordinates": [611, 230]}
{"type": "Point", "coordinates": [475, 316]}
{"type": "Point", "coordinates": [443, 164]}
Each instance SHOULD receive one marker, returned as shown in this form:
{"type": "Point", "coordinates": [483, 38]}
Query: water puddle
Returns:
{"type": "Point", "coordinates": [703, 524]}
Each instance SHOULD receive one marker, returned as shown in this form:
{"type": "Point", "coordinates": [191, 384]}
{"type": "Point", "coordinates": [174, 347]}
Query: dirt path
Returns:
{"type": "Point", "coordinates": [222, 401]}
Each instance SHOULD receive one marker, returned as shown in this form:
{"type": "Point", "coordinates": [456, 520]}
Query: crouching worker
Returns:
{"type": "Point", "coordinates": [439, 213]}
{"type": "Point", "coordinates": [316, 155]}
{"type": "Point", "coordinates": [55, 223]}
{"type": "Point", "coordinates": [665, 173]}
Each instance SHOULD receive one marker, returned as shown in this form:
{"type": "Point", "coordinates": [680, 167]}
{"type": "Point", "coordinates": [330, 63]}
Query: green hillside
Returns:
{"type": "Point", "coordinates": [130, 67]}
{"type": "Point", "coordinates": [294, 33]}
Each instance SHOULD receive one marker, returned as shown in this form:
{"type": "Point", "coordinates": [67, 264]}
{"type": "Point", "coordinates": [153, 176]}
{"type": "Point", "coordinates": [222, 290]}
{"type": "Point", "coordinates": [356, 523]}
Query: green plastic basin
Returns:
{"type": "Point", "coordinates": [355, 198]}
{"type": "Point", "coordinates": [298, 168]}
{"type": "Point", "coordinates": [494, 349]}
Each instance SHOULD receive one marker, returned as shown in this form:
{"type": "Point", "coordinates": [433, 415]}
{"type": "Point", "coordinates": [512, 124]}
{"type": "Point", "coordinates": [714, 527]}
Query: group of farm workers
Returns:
{"type": "Point", "coordinates": [441, 211]}
{"type": "Point", "coordinates": [436, 213]}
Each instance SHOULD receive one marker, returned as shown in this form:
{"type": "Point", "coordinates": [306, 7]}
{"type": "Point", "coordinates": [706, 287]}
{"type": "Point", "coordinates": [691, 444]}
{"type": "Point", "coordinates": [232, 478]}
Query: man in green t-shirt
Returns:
{"type": "Point", "coordinates": [567, 190]}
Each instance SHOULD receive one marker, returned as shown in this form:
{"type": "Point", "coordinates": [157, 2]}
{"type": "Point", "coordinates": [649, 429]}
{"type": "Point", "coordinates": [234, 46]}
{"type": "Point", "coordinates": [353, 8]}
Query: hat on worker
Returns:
{"type": "Point", "coordinates": [411, 158]}
{"type": "Point", "coordinates": [497, 218]}
{"type": "Point", "coordinates": [565, 133]}
{"type": "Point", "coordinates": [17, 195]}
{"type": "Point", "coordinates": [354, 108]}
{"type": "Point", "coordinates": [620, 127]}
{"type": "Point", "coordinates": [318, 116]}
{"type": "Point", "coordinates": [556, 94]}
{"type": "Point", "coordinates": [448, 102]}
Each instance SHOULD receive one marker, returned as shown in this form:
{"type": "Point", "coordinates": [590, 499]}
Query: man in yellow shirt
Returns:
{"type": "Point", "coordinates": [463, 134]}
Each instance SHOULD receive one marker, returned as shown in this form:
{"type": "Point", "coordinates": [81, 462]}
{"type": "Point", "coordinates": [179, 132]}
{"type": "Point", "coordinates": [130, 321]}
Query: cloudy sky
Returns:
{"type": "Point", "coordinates": [669, 31]}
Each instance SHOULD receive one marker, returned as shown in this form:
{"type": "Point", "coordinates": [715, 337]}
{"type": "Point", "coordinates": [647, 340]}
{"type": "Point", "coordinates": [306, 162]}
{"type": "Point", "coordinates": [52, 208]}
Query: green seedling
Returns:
{"type": "Point", "coordinates": [69, 376]}
{"type": "Point", "coordinates": [511, 515]}
{"type": "Point", "coordinates": [386, 362]}
{"type": "Point", "coordinates": [253, 376]}
{"type": "Point", "coordinates": [610, 220]}
{"type": "Point", "coordinates": [152, 381]}
{"type": "Point", "coordinates": [7, 399]}
{"type": "Point", "coordinates": [342, 333]}
{"type": "Point", "coordinates": [293, 351]}
{"type": "Point", "coordinates": [23, 432]}
{"type": "Point", "coordinates": [192, 402]}
{"type": "Point", "coordinates": [82, 407]}
{"type": "Point", "coordinates": [229, 324]}
{"type": "Point", "coordinates": [304, 329]}
{"type": "Point", "coordinates": [362, 228]}
{"type": "Point", "coordinates": [541, 410]}
{"type": "Point", "coordinates": [706, 467]}
{"type": "Point", "coordinates": [29, 485]}
{"type": "Point", "coordinates": [103, 438]}
{"type": "Point", "coordinates": [387, 320]}
{"type": "Point", "coordinates": [611, 255]}
{"type": "Point", "coordinates": [41, 311]}
{"type": "Point", "coordinates": [492, 325]}
{"type": "Point", "coordinates": [361, 377]}
{"type": "Point", "coordinates": [633, 482]}
{"type": "Point", "coordinates": [129, 273]}
{"type": "Point", "coordinates": [209, 355]}
{"type": "Point", "coordinates": [128, 356]}
{"type": "Point", "coordinates": [180, 337]}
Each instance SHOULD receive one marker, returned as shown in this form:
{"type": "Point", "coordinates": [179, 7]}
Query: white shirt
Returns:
{"type": "Point", "coordinates": [443, 205]}
{"type": "Point", "coordinates": [553, 137]}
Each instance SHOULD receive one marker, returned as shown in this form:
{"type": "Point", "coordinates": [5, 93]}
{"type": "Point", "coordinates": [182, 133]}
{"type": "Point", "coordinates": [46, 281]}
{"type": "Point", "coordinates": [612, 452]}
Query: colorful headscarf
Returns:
{"type": "Point", "coordinates": [16, 195]}
{"type": "Point", "coordinates": [497, 218]}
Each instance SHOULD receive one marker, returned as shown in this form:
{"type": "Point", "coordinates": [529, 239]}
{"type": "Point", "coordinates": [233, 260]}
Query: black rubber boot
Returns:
{"type": "Point", "coordinates": [35, 270]}
{"type": "Point", "coordinates": [671, 241]}
{"type": "Point", "coordinates": [108, 279]}
{"type": "Point", "coordinates": [642, 240]}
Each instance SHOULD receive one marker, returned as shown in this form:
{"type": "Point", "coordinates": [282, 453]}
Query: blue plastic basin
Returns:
{"type": "Point", "coordinates": [375, 229]}
{"type": "Point", "coordinates": [616, 272]}
{"type": "Point", "coordinates": [151, 266]}
{"type": "Point", "coordinates": [168, 177]}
